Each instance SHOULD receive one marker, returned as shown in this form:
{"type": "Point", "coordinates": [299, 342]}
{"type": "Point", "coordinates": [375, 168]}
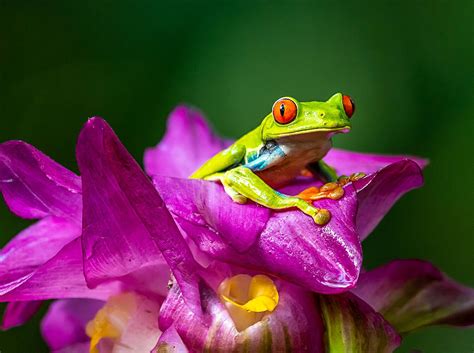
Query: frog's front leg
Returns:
{"type": "Point", "coordinates": [244, 182]}
{"type": "Point", "coordinates": [331, 190]}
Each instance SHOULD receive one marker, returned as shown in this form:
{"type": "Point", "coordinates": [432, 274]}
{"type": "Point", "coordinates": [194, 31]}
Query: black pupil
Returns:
{"type": "Point", "coordinates": [282, 109]}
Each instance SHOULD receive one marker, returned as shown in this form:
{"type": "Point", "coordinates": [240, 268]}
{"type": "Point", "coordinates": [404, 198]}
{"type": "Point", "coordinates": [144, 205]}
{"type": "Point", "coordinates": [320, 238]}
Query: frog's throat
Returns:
{"type": "Point", "coordinates": [332, 131]}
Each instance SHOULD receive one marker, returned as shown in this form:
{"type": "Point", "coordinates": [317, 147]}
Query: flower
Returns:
{"type": "Point", "coordinates": [287, 244]}
{"type": "Point", "coordinates": [105, 244]}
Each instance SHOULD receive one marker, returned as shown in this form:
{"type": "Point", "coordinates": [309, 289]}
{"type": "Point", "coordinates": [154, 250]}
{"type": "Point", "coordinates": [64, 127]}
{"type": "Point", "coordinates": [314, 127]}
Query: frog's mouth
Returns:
{"type": "Point", "coordinates": [330, 132]}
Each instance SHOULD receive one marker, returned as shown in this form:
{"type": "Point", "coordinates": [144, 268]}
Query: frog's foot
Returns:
{"type": "Point", "coordinates": [320, 216]}
{"type": "Point", "coordinates": [333, 190]}
{"type": "Point", "coordinates": [343, 179]}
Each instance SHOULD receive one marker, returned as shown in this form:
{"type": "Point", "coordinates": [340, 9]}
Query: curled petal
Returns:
{"type": "Point", "coordinates": [34, 186]}
{"type": "Point", "coordinates": [17, 313]}
{"type": "Point", "coordinates": [412, 294]}
{"type": "Point", "coordinates": [379, 191]}
{"type": "Point", "coordinates": [125, 224]}
{"type": "Point", "coordinates": [376, 193]}
{"type": "Point", "coordinates": [64, 323]}
{"type": "Point", "coordinates": [285, 244]}
{"type": "Point", "coordinates": [187, 144]}
{"type": "Point", "coordinates": [352, 326]}
{"type": "Point", "coordinates": [348, 162]}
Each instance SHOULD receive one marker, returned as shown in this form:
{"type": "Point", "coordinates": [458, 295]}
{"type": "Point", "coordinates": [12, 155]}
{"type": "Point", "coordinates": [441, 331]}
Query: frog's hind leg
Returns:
{"type": "Point", "coordinates": [234, 195]}
{"type": "Point", "coordinates": [246, 183]}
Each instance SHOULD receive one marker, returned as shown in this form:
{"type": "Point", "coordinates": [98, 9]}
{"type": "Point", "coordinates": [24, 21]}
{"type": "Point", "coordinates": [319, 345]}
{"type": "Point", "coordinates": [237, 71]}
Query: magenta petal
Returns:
{"type": "Point", "coordinates": [60, 277]}
{"type": "Point", "coordinates": [412, 294]}
{"type": "Point", "coordinates": [213, 213]}
{"type": "Point", "coordinates": [347, 162]}
{"type": "Point", "coordinates": [379, 191]}
{"type": "Point", "coordinates": [83, 347]}
{"type": "Point", "coordinates": [17, 313]}
{"type": "Point", "coordinates": [170, 342]}
{"type": "Point", "coordinates": [324, 259]}
{"type": "Point", "coordinates": [35, 186]}
{"type": "Point", "coordinates": [187, 143]}
{"type": "Point", "coordinates": [34, 246]}
{"type": "Point", "coordinates": [125, 222]}
{"type": "Point", "coordinates": [64, 323]}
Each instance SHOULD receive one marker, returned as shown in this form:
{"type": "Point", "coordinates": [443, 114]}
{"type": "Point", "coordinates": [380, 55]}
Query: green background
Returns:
{"type": "Point", "coordinates": [408, 65]}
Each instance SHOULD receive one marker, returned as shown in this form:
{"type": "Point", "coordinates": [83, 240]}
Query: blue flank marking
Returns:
{"type": "Point", "coordinates": [265, 158]}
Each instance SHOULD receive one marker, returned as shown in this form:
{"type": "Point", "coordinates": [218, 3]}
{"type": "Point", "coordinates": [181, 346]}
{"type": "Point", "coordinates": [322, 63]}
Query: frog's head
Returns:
{"type": "Point", "coordinates": [290, 117]}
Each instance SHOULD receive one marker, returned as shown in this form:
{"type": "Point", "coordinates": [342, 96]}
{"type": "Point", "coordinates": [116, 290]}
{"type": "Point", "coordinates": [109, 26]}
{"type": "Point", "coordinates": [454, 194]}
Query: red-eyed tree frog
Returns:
{"type": "Point", "coordinates": [291, 140]}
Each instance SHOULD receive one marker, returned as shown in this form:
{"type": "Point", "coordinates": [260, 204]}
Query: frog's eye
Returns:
{"type": "Point", "coordinates": [284, 110]}
{"type": "Point", "coordinates": [349, 106]}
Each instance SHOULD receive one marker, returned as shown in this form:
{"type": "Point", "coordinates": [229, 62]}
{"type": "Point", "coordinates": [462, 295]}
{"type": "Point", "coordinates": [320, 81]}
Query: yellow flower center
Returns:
{"type": "Point", "coordinates": [110, 321]}
{"type": "Point", "coordinates": [248, 299]}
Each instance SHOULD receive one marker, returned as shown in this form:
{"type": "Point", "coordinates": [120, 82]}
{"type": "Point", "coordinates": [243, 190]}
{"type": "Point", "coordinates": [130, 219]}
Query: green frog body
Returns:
{"type": "Point", "coordinates": [291, 140]}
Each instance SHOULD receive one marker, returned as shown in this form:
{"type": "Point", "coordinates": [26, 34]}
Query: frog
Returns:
{"type": "Point", "coordinates": [290, 141]}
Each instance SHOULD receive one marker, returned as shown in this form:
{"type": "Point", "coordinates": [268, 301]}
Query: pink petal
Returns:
{"type": "Point", "coordinates": [35, 186]}
{"type": "Point", "coordinates": [348, 162]}
{"type": "Point", "coordinates": [17, 313]}
{"type": "Point", "coordinates": [64, 323]}
{"type": "Point", "coordinates": [76, 348]}
{"type": "Point", "coordinates": [59, 277]}
{"type": "Point", "coordinates": [32, 247]}
{"type": "Point", "coordinates": [187, 144]}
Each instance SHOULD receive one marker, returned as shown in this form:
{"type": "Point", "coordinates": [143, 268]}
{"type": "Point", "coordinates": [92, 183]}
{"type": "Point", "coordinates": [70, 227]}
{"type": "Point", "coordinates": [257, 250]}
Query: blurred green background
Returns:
{"type": "Point", "coordinates": [407, 64]}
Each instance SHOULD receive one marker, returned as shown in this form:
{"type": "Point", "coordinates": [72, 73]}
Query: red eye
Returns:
{"type": "Point", "coordinates": [349, 106]}
{"type": "Point", "coordinates": [284, 110]}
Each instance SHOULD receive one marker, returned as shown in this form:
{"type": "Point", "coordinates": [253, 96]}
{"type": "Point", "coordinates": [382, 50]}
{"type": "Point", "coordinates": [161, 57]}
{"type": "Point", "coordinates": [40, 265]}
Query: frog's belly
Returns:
{"type": "Point", "coordinates": [281, 175]}
{"type": "Point", "coordinates": [297, 157]}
